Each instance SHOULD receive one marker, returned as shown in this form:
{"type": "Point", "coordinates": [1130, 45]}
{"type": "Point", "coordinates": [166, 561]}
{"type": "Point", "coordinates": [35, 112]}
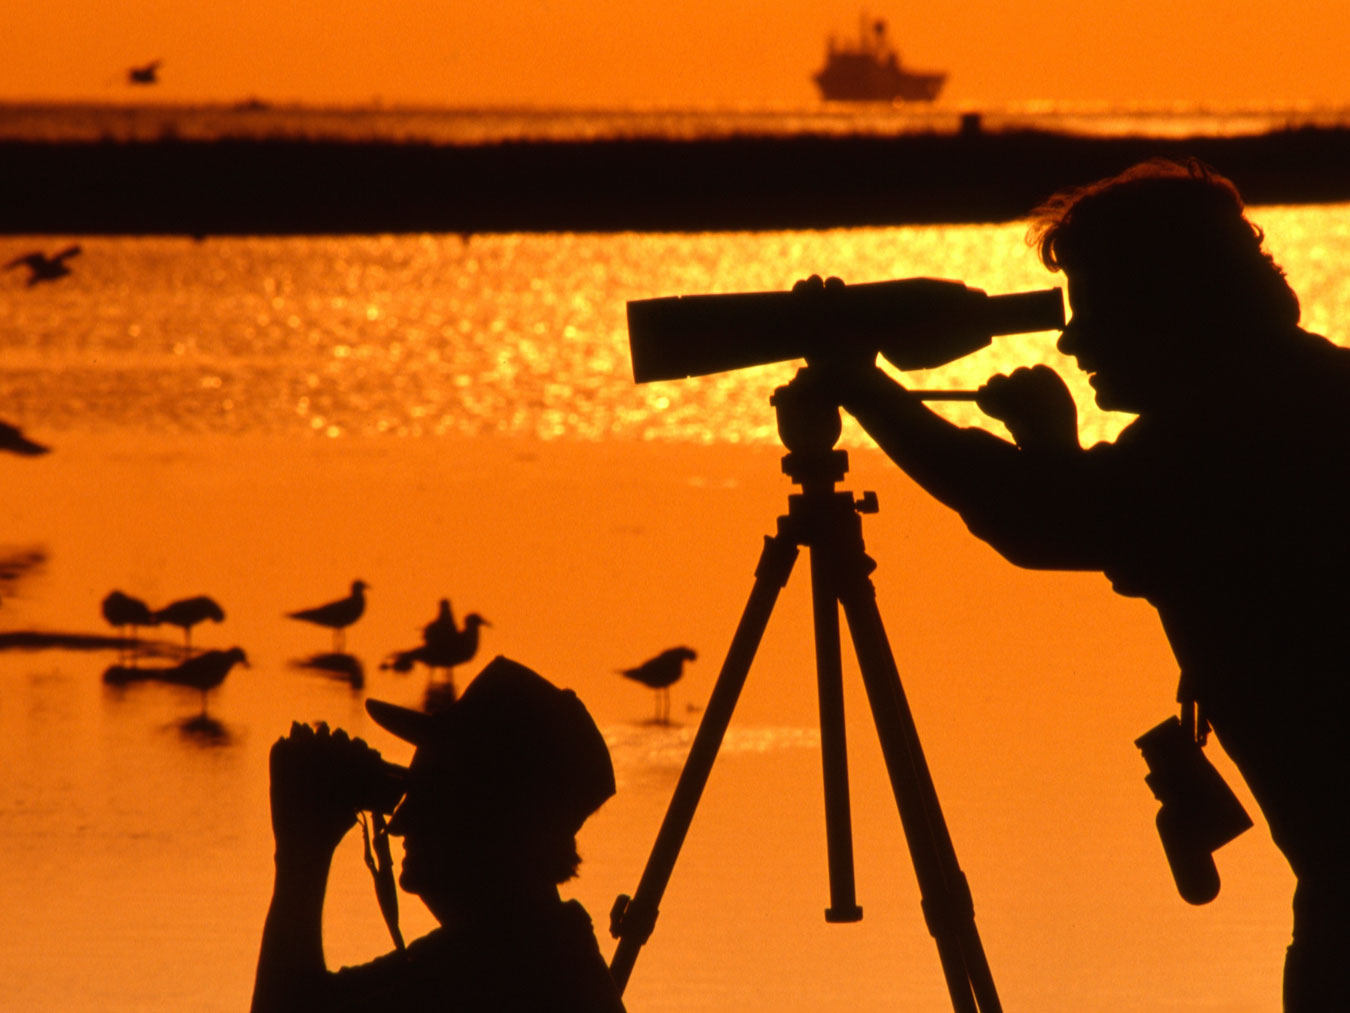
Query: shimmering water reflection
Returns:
{"type": "Point", "coordinates": [492, 333]}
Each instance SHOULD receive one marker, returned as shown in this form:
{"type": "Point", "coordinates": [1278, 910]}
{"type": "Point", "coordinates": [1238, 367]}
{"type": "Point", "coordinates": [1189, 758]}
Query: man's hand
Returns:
{"type": "Point", "coordinates": [1035, 405]}
{"type": "Point", "coordinates": [841, 366]}
{"type": "Point", "coordinates": [314, 776]}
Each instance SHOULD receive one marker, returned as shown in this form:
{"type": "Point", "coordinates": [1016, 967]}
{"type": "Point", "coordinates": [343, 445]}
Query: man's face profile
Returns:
{"type": "Point", "coordinates": [1120, 334]}
{"type": "Point", "coordinates": [425, 819]}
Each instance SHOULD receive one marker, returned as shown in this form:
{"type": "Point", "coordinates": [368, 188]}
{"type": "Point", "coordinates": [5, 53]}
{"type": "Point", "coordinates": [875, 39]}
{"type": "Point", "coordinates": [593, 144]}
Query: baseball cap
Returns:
{"type": "Point", "coordinates": [516, 733]}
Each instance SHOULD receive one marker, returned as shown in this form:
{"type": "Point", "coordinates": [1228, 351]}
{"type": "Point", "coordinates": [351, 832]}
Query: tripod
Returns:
{"type": "Point", "coordinates": [828, 523]}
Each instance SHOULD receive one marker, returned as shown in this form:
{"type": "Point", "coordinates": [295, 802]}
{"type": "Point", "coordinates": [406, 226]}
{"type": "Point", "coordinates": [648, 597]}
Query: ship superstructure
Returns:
{"type": "Point", "coordinates": [869, 70]}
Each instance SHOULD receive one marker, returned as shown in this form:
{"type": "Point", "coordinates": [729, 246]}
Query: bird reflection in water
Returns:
{"type": "Point", "coordinates": [336, 665]}
{"type": "Point", "coordinates": [202, 672]}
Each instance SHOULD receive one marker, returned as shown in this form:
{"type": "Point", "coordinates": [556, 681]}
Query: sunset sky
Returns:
{"type": "Point", "coordinates": [606, 52]}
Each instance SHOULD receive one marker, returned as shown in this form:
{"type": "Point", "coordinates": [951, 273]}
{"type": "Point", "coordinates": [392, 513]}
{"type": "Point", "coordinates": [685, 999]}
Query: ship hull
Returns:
{"type": "Point", "coordinates": [860, 81]}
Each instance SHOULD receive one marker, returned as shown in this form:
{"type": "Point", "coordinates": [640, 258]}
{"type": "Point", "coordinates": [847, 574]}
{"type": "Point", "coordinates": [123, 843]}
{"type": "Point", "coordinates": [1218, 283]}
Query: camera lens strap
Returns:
{"type": "Point", "coordinates": [381, 866]}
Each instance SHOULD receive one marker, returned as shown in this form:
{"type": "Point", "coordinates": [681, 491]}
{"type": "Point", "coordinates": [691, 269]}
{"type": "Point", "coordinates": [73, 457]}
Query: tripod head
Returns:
{"type": "Point", "coordinates": [809, 425]}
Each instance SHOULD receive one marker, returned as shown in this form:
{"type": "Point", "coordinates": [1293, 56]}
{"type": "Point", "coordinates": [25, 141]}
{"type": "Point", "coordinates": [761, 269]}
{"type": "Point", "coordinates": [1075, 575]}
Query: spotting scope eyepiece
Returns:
{"type": "Point", "coordinates": [916, 323]}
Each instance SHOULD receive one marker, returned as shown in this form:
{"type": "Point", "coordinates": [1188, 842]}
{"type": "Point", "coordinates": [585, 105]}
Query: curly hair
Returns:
{"type": "Point", "coordinates": [1178, 220]}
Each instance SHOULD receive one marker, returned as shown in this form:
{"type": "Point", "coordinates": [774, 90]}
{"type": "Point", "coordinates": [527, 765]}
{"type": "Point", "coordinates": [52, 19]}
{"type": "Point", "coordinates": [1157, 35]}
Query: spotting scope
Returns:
{"type": "Point", "coordinates": [916, 323]}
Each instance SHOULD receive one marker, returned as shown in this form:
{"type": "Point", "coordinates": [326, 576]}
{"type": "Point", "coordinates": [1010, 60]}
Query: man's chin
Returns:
{"type": "Point", "coordinates": [408, 880]}
{"type": "Point", "coordinates": [1108, 399]}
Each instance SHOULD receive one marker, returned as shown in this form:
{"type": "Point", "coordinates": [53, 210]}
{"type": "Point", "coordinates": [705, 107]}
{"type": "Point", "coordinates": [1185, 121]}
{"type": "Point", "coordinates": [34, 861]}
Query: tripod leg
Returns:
{"type": "Point", "coordinates": [948, 907]}
{"type": "Point", "coordinates": [833, 747]}
{"type": "Point", "coordinates": [632, 920]}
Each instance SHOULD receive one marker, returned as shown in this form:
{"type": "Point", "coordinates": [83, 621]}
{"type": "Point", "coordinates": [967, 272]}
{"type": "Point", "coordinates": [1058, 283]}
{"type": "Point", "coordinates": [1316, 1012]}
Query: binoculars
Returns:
{"type": "Point", "coordinates": [1199, 813]}
{"type": "Point", "coordinates": [377, 786]}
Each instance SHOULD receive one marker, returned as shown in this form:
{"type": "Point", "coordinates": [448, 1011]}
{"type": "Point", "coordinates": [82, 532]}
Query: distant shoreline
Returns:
{"type": "Point", "coordinates": [278, 187]}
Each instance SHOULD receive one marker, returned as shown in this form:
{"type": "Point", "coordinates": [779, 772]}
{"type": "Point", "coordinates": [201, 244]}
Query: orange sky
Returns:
{"type": "Point", "coordinates": [683, 51]}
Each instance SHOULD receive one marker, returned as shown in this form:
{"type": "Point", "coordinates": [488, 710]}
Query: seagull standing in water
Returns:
{"type": "Point", "coordinates": [42, 267]}
{"type": "Point", "coordinates": [124, 613]}
{"type": "Point", "coordinates": [187, 613]}
{"type": "Point", "coordinates": [444, 644]}
{"type": "Point", "coordinates": [660, 673]}
{"type": "Point", "coordinates": [202, 672]}
{"type": "Point", "coordinates": [442, 627]}
{"type": "Point", "coordinates": [337, 615]}
{"type": "Point", "coordinates": [206, 671]}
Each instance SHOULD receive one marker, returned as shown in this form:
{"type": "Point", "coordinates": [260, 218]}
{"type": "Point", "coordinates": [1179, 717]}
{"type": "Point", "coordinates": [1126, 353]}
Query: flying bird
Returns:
{"type": "Point", "coordinates": [660, 673]}
{"type": "Point", "coordinates": [187, 613]}
{"type": "Point", "coordinates": [42, 267]}
{"type": "Point", "coordinates": [337, 615]}
{"type": "Point", "coordinates": [146, 73]}
{"type": "Point", "coordinates": [16, 442]}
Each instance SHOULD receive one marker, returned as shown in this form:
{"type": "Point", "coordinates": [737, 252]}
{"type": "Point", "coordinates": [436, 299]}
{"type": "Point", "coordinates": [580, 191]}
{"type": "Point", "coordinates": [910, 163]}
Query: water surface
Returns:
{"type": "Point", "coordinates": [265, 420]}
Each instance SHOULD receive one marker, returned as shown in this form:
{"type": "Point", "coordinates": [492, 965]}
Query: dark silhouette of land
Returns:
{"type": "Point", "coordinates": [42, 640]}
{"type": "Point", "coordinates": [233, 187]}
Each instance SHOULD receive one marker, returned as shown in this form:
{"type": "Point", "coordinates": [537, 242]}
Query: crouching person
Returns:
{"type": "Point", "coordinates": [499, 785]}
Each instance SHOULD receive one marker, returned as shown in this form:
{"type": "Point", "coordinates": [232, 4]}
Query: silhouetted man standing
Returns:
{"type": "Point", "coordinates": [498, 787]}
{"type": "Point", "coordinates": [1226, 503]}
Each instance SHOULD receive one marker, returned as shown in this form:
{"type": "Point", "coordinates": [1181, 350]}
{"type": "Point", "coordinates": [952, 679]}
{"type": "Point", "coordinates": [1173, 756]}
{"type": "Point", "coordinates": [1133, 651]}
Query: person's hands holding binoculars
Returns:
{"type": "Point", "coordinates": [315, 779]}
{"type": "Point", "coordinates": [1036, 406]}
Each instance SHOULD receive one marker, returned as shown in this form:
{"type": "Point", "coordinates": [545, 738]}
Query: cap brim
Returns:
{"type": "Point", "coordinates": [409, 725]}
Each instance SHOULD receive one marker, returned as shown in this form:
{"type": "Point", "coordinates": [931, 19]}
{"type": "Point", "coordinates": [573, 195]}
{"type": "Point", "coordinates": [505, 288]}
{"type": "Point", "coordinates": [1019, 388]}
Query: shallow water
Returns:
{"type": "Point", "coordinates": [265, 420]}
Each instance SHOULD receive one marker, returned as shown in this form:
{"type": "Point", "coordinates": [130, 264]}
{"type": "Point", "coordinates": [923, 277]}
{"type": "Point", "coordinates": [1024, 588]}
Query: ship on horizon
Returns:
{"type": "Point", "coordinates": [870, 71]}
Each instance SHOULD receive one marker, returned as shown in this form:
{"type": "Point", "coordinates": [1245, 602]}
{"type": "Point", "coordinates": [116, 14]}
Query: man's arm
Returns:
{"type": "Point", "coordinates": [311, 811]}
{"type": "Point", "coordinates": [291, 967]}
{"type": "Point", "coordinates": [1032, 501]}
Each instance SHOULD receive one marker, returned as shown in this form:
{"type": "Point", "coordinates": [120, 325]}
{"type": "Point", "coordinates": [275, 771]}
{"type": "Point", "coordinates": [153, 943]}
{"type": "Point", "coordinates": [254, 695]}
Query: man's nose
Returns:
{"type": "Point", "coordinates": [399, 818]}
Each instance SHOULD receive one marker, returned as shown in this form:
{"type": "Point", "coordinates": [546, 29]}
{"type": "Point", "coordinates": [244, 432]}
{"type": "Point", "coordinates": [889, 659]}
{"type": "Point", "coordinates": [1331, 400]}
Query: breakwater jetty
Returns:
{"type": "Point", "coordinates": [279, 186]}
